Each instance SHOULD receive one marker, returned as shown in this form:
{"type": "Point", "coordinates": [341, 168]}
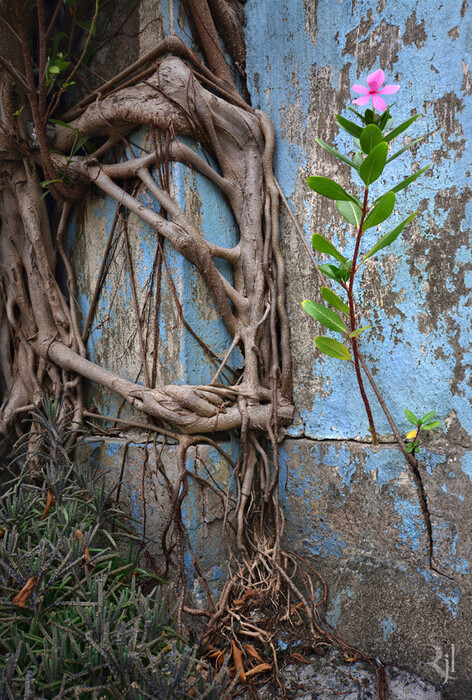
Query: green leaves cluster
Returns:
{"type": "Point", "coordinates": [94, 623]}
{"type": "Point", "coordinates": [333, 321]}
{"type": "Point", "coordinates": [372, 139]}
{"type": "Point", "coordinates": [423, 423]}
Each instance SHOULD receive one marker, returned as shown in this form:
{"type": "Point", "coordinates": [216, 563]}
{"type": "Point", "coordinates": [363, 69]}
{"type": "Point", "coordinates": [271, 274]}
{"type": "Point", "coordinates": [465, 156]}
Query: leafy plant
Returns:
{"type": "Point", "coordinates": [74, 620]}
{"type": "Point", "coordinates": [372, 139]}
{"type": "Point", "coordinates": [423, 423]}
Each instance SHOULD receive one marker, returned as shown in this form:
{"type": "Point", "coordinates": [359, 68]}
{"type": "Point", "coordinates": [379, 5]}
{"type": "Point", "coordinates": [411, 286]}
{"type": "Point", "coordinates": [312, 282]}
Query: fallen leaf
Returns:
{"type": "Point", "coordinates": [238, 662]}
{"type": "Point", "coordinates": [246, 595]}
{"type": "Point", "coordinates": [90, 564]}
{"type": "Point", "coordinates": [249, 649]}
{"type": "Point", "coordinates": [50, 500]}
{"type": "Point", "coordinates": [300, 658]}
{"type": "Point", "coordinates": [20, 599]}
{"type": "Point", "coordinates": [350, 659]}
{"type": "Point", "coordinates": [262, 668]}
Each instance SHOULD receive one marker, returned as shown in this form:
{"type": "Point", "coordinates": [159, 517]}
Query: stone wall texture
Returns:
{"type": "Point", "coordinates": [350, 507]}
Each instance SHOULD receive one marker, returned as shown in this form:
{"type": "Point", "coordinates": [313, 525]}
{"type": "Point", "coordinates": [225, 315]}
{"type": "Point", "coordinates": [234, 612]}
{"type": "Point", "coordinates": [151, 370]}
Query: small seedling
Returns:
{"type": "Point", "coordinates": [423, 423]}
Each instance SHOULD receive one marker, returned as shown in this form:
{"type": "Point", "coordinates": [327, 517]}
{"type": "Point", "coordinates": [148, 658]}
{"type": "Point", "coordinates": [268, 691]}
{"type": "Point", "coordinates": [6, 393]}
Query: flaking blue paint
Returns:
{"type": "Point", "coordinates": [410, 529]}
{"type": "Point", "coordinates": [426, 75]}
{"type": "Point", "coordinates": [466, 464]}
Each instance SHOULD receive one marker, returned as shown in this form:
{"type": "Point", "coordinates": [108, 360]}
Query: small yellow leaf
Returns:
{"type": "Point", "coordinates": [411, 435]}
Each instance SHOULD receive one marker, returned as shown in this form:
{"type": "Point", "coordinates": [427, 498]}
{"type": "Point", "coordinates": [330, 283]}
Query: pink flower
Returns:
{"type": "Point", "coordinates": [375, 81]}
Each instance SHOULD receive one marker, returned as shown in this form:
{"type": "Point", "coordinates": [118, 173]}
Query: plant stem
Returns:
{"type": "Point", "coordinates": [352, 318]}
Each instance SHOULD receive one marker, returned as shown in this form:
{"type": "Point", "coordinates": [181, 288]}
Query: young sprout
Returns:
{"type": "Point", "coordinates": [423, 423]}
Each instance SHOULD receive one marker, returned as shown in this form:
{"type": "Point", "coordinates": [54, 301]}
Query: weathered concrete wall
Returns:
{"type": "Point", "coordinates": [352, 508]}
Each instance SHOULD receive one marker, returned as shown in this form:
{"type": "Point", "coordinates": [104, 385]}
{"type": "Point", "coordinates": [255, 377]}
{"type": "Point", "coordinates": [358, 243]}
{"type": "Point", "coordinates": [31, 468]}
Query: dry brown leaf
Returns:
{"type": "Point", "coordinates": [350, 659]}
{"type": "Point", "coordinates": [191, 692]}
{"type": "Point", "coordinates": [20, 599]}
{"type": "Point", "coordinates": [249, 649]}
{"type": "Point", "coordinates": [2, 532]}
{"type": "Point", "coordinates": [238, 662]}
{"type": "Point", "coordinates": [90, 564]}
{"type": "Point", "coordinates": [261, 668]}
{"type": "Point", "coordinates": [300, 658]}
{"type": "Point", "coordinates": [50, 500]}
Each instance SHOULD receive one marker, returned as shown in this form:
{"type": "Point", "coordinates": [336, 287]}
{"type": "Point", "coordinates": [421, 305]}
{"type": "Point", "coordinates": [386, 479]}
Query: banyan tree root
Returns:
{"type": "Point", "coordinates": [42, 348]}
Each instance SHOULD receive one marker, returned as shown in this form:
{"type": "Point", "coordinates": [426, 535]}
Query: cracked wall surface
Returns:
{"type": "Point", "coordinates": [351, 508]}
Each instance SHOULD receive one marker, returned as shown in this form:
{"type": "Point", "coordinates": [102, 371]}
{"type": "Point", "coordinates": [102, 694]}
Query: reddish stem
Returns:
{"type": "Point", "coordinates": [352, 319]}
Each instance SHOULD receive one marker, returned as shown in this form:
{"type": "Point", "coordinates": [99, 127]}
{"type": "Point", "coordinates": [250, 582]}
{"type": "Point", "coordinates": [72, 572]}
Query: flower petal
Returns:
{"type": "Point", "coordinates": [360, 89]}
{"type": "Point", "coordinates": [362, 100]}
{"type": "Point", "coordinates": [378, 103]}
{"type": "Point", "coordinates": [388, 90]}
{"type": "Point", "coordinates": [376, 79]}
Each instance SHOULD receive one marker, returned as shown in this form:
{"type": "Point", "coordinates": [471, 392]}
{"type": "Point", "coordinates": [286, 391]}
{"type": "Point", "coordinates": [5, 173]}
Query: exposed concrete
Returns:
{"type": "Point", "coordinates": [330, 677]}
{"type": "Point", "coordinates": [141, 464]}
{"type": "Point", "coordinates": [354, 509]}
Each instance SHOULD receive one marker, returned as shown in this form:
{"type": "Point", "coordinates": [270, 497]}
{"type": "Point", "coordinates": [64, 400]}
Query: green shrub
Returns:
{"type": "Point", "coordinates": [74, 620]}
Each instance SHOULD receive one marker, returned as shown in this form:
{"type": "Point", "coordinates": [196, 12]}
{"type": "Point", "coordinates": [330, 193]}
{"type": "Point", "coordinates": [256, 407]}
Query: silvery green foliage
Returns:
{"type": "Point", "coordinates": [86, 630]}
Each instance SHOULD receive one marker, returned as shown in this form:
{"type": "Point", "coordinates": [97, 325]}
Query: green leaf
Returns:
{"type": "Point", "coordinates": [329, 270]}
{"type": "Point", "coordinates": [411, 417]}
{"type": "Point", "coordinates": [373, 165]}
{"type": "Point", "coordinates": [45, 183]}
{"type": "Point", "coordinates": [333, 272]}
{"type": "Point", "coordinates": [351, 212]}
{"type": "Point", "coordinates": [407, 181]}
{"type": "Point", "coordinates": [431, 426]}
{"type": "Point", "coordinates": [384, 118]}
{"type": "Point", "coordinates": [333, 299]}
{"type": "Point", "coordinates": [355, 333]}
{"type": "Point", "coordinates": [358, 159]}
{"type": "Point", "coordinates": [381, 211]}
{"type": "Point", "coordinates": [58, 121]}
{"type": "Point", "coordinates": [322, 245]}
{"type": "Point", "coordinates": [405, 148]}
{"type": "Point", "coordinates": [335, 153]}
{"type": "Point", "coordinates": [80, 143]}
{"type": "Point", "coordinates": [328, 188]}
{"type": "Point", "coordinates": [371, 136]}
{"type": "Point", "coordinates": [401, 128]}
{"type": "Point", "coordinates": [427, 417]}
{"type": "Point", "coordinates": [348, 126]}
{"type": "Point", "coordinates": [389, 237]}
{"type": "Point", "coordinates": [368, 116]}
{"type": "Point", "coordinates": [324, 316]}
{"type": "Point", "coordinates": [409, 447]}
{"type": "Point", "coordinates": [361, 116]}
{"type": "Point", "coordinates": [331, 347]}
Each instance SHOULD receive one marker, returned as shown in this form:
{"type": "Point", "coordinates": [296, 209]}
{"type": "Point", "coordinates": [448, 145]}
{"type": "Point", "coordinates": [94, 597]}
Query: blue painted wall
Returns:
{"type": "Point", "coordinates": [417, 299]}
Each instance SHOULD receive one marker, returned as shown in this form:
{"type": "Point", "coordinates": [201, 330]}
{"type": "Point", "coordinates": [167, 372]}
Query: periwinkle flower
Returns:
{"type": "Point", "coordinates": [375, 81]}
